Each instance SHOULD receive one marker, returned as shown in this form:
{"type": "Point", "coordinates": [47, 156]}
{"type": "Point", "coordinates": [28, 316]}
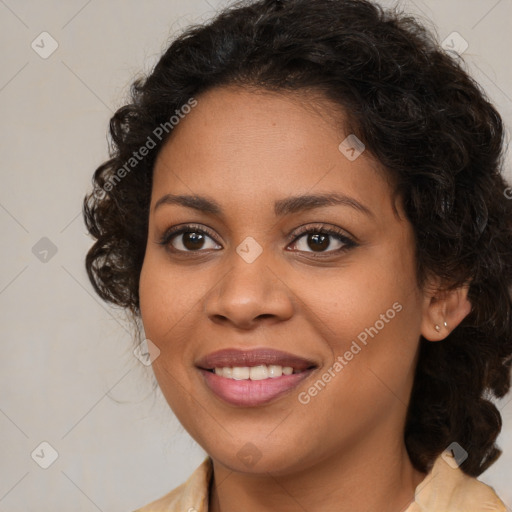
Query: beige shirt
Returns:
{"type": "Point", "coordinates": [444, 489]}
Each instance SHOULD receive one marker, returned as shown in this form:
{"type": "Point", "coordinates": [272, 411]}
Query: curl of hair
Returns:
{"type": "Point", "coordinates": [418, 112]}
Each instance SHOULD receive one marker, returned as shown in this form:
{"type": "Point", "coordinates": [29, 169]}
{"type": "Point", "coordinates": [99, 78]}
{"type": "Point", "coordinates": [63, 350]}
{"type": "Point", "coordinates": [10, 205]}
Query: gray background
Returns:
{"type": "Point", "coordinates": [68, 374]}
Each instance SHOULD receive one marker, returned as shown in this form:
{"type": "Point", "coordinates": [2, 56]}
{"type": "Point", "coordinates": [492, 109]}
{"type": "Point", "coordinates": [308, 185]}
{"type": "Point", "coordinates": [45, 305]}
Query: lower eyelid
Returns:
{"type": "Point", "coordinates": [345, 242]}
{"type": "Point", "coordinates": [168, 239]}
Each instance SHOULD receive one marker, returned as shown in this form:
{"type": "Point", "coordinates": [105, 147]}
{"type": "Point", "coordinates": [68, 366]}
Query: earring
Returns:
{"type": "Point", "coordinates": [437, 328]}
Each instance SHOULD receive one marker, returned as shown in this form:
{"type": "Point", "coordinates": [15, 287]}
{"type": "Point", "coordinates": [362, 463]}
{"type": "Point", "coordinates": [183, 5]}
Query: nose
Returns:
{"type": "Point", "coordinates": [249, 294]}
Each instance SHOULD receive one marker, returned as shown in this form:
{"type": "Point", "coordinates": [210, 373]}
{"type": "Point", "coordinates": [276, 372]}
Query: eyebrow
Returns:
{"type": "Point", "coordinates": [282, 207]}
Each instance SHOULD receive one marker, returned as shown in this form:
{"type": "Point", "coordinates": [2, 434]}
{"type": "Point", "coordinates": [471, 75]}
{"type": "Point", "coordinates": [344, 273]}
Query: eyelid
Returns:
{"type": "Point", "coordinates": [321, 227]}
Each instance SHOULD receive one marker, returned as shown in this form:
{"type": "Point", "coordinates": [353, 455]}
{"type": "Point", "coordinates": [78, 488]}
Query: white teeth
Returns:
{"type": "Point", "coordinates": [260, 372]}
{"type": "Point", "coordinates": [241, 372]}
{"type": "Point", "coordinates": [275, 371]}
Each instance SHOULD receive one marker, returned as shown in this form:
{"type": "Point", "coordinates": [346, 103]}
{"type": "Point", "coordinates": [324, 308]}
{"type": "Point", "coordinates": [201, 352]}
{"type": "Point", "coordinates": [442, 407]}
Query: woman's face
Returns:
{"type": "Point", "coordinates": [244, 277]}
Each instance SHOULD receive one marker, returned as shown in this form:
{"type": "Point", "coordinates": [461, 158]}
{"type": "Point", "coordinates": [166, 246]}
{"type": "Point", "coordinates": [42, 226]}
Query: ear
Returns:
{"type": "Point", "coordinates": [443, 310]}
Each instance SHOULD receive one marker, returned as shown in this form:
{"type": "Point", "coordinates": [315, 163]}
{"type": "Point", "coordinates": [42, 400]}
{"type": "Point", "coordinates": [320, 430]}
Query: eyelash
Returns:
{"type": "Point", "coordinates": [321, 229]}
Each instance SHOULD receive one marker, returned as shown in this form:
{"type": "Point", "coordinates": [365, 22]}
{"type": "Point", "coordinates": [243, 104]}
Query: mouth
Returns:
{"type": "Point", "coordinates": [251, 378]}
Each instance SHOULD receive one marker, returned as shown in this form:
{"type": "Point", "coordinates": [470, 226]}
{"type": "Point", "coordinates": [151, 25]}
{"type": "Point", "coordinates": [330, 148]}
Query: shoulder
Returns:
{"type": "Point", "coordinates": [190, 496]}
{"type": "Point", "coordinates": [448, 488]}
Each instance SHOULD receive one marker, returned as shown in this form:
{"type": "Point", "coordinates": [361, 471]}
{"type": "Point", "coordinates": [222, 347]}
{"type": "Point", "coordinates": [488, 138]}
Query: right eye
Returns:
{"type": "Point", "coordinates": [188, 238]}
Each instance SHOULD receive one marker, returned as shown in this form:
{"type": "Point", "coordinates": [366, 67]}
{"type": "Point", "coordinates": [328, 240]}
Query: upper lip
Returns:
{"type": "Point", "coordinates": [236, 357]}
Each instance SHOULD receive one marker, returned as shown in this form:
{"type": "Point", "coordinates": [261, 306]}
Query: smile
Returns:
{"type": "Point", "coordinates": [253, 378]}
{"type": "Point", "coordinates": [251, 393]}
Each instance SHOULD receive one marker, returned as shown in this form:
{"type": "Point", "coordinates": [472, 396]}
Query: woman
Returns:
{"type": "Point", "coordinates": [305, 207]}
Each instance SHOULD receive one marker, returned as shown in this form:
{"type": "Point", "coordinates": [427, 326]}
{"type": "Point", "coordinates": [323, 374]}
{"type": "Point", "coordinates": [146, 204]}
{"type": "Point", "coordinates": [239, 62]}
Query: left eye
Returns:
{"type": "Point", "coordinates": [320, 241]}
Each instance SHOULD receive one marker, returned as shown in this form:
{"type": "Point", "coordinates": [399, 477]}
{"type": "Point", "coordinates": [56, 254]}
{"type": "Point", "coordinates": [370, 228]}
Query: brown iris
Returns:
{"type": "Point", "coordinates": [319, 240]}
{"type": "Point", "coordinates": [193, 240]}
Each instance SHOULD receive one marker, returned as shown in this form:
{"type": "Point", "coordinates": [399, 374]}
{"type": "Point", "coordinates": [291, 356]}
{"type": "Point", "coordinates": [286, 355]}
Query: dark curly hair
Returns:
{"type": "Point", "coordinates": [417, 111]}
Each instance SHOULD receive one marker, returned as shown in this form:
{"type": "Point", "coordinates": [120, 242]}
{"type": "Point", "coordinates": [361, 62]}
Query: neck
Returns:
{"type": "Point", "coordinates": [378, 477]}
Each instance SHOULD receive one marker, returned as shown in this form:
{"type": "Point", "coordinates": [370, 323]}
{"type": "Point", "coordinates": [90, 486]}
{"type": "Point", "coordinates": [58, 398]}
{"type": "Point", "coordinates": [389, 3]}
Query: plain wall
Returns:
{"type": "Point", "coordinates": [68, 374]}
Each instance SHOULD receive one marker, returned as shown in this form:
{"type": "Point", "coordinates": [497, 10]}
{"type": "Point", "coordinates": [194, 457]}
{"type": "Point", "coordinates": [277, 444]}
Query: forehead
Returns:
{"type": "Point", "coordinates": [254, 144]}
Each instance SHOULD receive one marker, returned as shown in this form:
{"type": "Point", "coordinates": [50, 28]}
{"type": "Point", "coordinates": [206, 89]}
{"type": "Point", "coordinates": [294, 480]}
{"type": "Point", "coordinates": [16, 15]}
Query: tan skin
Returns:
{"type": "Point", "coordinates": [343, 450]}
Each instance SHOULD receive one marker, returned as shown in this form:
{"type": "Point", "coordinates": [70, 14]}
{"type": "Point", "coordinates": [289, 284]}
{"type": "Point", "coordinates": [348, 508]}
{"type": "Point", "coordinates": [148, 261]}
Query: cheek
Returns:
{"type": "Point", "coordinates": [369, 314]}
{"type": "Point", "coordinates": [346, 301]}
{"type": "Point", "coordinates": [166, 298]}
{"type": "Point", "coordinates": [164, 303]}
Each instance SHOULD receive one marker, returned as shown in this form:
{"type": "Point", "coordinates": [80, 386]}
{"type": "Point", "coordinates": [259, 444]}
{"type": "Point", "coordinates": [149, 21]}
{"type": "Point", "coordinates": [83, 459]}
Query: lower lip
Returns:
{"type": "Point", "coordinates": [250, 393]}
